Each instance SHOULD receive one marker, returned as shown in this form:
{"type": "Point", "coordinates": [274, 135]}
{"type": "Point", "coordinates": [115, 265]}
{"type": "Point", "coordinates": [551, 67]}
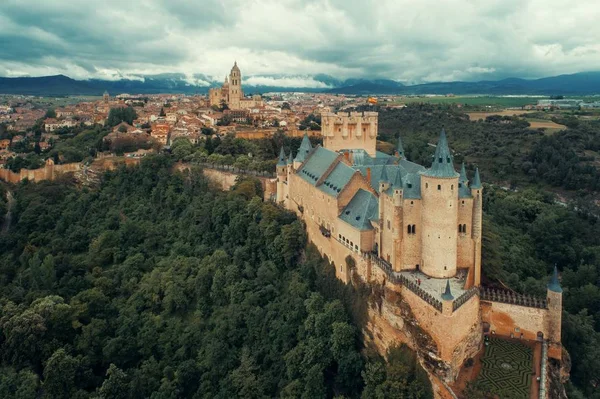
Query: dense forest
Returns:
{"type": "Point", "coordinates": [154, 285]}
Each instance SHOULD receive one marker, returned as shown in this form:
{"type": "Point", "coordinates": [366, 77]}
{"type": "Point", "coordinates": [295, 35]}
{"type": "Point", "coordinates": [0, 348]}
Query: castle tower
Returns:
{"type": "Point", "coordinates": [477, 194]}
{"type": "Point", "coordinates": [235, 87]}
{"type": "Point", "coordinates": [282, 175]}
{"type": "Point", "coordinates": [106, 97]}
{"type": "Point", "coordinates": [303, 151]}
{"type": "Point", "coordinates": [466, 244]}
{"type": "Point", "coordinates": [349, 131]}
{"type": "Point", "coordinates": [554, 299]}
{"type": "Point", "coordinates": [439, 193]}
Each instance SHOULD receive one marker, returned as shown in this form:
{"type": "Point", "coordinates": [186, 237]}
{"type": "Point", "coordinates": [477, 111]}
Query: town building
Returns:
{"type": "Point", "coordinates": [416, 232]}
{"type": "Point", "coordinates": [231, 93]}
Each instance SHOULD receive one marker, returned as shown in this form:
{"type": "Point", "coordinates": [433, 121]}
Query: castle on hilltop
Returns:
{"type": "Point", "coordinates": [415, 232]}
{"type": "Point", "coordinates": [231, 93]}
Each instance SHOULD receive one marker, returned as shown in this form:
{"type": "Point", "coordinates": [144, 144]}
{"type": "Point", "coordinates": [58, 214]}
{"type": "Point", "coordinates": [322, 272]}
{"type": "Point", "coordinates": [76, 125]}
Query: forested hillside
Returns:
{"type": "Point", "coordinates": [156, 286]}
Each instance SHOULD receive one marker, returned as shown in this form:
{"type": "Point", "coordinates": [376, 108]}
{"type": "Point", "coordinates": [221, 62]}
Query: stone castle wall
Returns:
{"type": "Point", "coordinates": [509, 320]}
{"type": "Point", "coordinates": [48, 172]}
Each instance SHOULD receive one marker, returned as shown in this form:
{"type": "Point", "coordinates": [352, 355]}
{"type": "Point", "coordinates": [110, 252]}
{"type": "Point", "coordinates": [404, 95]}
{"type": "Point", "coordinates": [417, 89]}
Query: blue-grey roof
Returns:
{"type": "Point", "coordinates": [463, 183]}
{"type": "Point", "coordinates": [304, 150]}
{"type": "Point", "coordinates": [554, 284]}
{"type": "Point", "coordinates": [337, 179]}
{"type": "Point", "coordinates": [411, 180]}
{"type": "Point", "coordinates": [282, 161]}
{"type": "Point", "coordinates": [318, 163]}
{"type": "Point", "coordinates": [290, 158]}
{"type": "Point", "coordinates": [383, 177]}
{"type": "Point", "coordinates": [361, 158]}
{"type": "Point", "coordinates": [361, 209]}
{"type": "Point", "coordinates": [412, 186]}
{"type": "Point", "coordinates": [442, 165]}
{"type": "Point", "coordinates": [476, 180]}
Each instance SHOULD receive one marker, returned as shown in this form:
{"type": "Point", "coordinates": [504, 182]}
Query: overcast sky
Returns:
{"type": "Point", "coordinates": [406, 40]}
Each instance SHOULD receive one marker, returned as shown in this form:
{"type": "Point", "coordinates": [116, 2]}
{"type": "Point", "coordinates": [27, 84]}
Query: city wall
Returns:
{"type": "Point", "coordinates": [48, 172]}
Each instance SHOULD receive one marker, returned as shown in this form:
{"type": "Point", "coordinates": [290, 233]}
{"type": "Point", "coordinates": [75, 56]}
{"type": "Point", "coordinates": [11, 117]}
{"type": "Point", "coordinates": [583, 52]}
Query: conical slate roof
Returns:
{"type": "Point", "coordinates": [463, 174]}
{"type": "Point", "coordinates": [442, 165]}
{"type": "Point", "coordinates": [282, 158]}
{"type": "Point", "coordinates": [304, 150]}
{"type": "Point", "coordinates": [463, 183]}
{"type": "Point", "coordinates": [290, 158]}
{"type": "Point", "coordinates": [476, 180]}
{"type": "Point", "coordinates": [554, 284]}
{"type": "Point", "coordinates": [400, 148]}
{"type": "Point", "coordinates": [447, 295]}
{"type": "Point", "coordinates": [384, 176]}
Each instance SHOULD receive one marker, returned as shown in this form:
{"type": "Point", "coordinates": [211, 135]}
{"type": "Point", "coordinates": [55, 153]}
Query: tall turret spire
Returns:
{"type": "Point", "coordinates": [282, 158]}
{"type": "Point", "coordinates": [290, 158]}
{"type": "Point", "coordinates": [476, 180]}
{"type": "Point", "coordinates": [463, 183]}
{"type": "Point", "coordinates": [447, 295]}
{"type": "Point", "coordinates": [463, 174]}
{"type": "Point", "coordinates": [384, 175]}
{"type": "Point", "coordinates": [305, 148]}
{"type": "Point", "coordinates": [400, 148]}
{"type": "Point", "coordinates": [442, 165]}
{"type": "Point", "coordinates": [554, 284]}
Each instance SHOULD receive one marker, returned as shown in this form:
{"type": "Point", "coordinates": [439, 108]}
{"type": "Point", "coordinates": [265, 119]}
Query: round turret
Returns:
{"type": "Point", "coordinates": [439, 193]}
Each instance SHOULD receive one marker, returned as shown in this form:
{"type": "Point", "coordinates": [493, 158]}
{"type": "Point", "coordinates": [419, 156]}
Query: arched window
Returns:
{"type": "Point", "coordinates": [426, 185]}
{"type": "Point", "coordinates": [408, 229]}
{"type": "Point", "coordinates": [460, 228]}
{"type": "Point", "coordinates": [413, 229]}
{"type": "Point", "coordinates": [439, 186]}
{"type": "Point", "coordinates": [452, 187]}
{"type": "Point", "coordinates": [464, 228]}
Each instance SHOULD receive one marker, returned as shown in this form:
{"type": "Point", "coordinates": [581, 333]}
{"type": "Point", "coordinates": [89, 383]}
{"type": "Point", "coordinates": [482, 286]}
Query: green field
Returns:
{"type": "Point", "coordinates": [47, 102]}
{"type": "Point", "coordinates": [491, 101]}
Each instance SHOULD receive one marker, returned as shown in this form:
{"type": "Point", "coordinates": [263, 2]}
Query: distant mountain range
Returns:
{"type": "Point", "coordinates": [584, 83]}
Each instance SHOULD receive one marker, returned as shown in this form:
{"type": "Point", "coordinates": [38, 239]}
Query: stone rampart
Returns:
{"type": "Point", "coordinates": [48, 172]}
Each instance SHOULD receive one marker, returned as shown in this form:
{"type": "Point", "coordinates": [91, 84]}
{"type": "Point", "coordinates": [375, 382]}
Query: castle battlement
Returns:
{"type": "Point", "coordinates": [349, 131]}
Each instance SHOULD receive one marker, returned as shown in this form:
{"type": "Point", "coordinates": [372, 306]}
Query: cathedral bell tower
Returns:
{"type": "Point", "coordinates": [235, 87]}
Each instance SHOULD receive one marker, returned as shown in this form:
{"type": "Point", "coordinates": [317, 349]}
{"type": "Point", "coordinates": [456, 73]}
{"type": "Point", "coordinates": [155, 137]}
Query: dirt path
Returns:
{"type": "Point", "coordinates": [10, 200]}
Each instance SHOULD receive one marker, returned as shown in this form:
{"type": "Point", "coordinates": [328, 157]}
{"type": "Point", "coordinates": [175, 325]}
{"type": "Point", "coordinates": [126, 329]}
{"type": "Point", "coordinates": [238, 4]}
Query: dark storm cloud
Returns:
{"type": "Point", "coordinates": [399, 39]}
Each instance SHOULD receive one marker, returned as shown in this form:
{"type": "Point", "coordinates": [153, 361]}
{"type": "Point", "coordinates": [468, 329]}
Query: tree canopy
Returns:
{"type": "Point", "coordinates": [154, 285]}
